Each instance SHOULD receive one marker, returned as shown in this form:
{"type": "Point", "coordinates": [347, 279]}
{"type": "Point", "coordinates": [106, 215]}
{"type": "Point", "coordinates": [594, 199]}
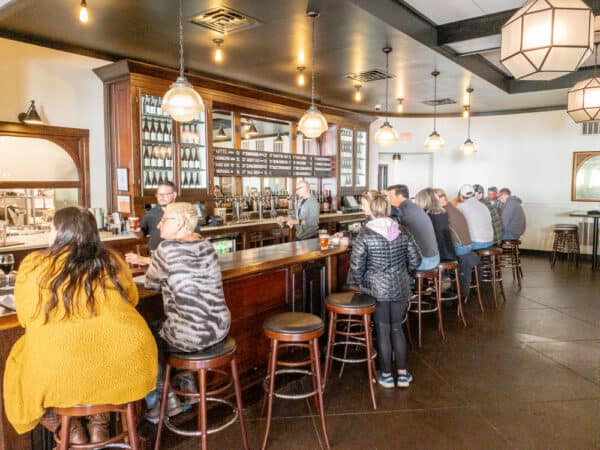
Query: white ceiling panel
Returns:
{"type": "Point", "coordinates": [446, 12]}
{"type": "Point", "coordinates": [473, 45]}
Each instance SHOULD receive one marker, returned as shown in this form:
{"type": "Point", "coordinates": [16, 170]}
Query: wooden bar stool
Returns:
{"type": "Point", "coordinates": [212, 359]}
{"type": "Point", "coordinates": [294, 329]}
{"type": "Point", "coordinates": [475, 285]}
{"type": "Point", "coordinates": [351, 304]}
{"type": "Point", "coordinates": [566, 240]}
{"type": "Point", "coordinates": [416, 305]}
{"type": "Point", "coordinates": [451, 266]}
{"type": "Point", "coordinates": [491, 270]}
{"type": "Point", "coordinates": [126, 439]}
{"type": "Point", "coordinates": [511, 259]}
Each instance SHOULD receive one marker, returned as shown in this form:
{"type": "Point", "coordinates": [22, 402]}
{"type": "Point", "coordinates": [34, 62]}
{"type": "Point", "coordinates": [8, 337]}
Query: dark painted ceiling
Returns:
{"type": "Point", "coordinates": [350, 35]}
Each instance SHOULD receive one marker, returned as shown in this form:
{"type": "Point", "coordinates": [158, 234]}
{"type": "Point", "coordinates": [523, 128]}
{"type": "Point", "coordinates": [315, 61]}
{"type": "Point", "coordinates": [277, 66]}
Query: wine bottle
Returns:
{"type": "Point", "coordinates": [146, 180]}
{"type": "Point", "coordinates": [146, 156]}
{"type": "Point", "coordinates": [145, 130]}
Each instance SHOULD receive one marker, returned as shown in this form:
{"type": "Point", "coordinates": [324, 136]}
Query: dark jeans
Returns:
{"type": "Point", "coordinates": [465, 266]}
{"type": "Point", "coordinates": [388, 325]}
{"type": "Point", "coordinates": [163, 348]}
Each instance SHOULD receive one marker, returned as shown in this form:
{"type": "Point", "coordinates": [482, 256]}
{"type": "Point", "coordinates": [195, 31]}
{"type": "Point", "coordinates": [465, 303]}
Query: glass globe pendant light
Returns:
{"type": "Point", "coordinates": [434, 142]}
{"type": "Point", "coordinates": [386, 135]}
{"type": "Point", "coordinates": [583, 100]}
{"type": "Point", "coordinates": [181, 101]}
{"type": "Point", "coordinates": [313, 124]}
{"type": "Point", "coordinates": [468, 148]}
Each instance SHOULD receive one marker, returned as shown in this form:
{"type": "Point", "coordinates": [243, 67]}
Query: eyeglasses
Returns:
{"type": "Point", "coordinates": [165, 195]}
{"type": "Point", "coordinates": [167, 218]}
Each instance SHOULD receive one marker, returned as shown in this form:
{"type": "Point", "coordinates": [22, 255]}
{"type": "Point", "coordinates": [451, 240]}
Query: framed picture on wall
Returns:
{"type": "Point", "coordinates": [585, 179]}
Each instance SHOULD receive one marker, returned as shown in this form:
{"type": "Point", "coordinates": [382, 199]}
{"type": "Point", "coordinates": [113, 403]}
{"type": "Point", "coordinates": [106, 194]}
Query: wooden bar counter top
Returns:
{"type": "Point", "coordinates": [257, 283]}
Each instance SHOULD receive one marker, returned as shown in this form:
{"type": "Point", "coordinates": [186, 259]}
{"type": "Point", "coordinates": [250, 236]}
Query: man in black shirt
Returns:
{"type": "Point", "coordinates": [165, 194]}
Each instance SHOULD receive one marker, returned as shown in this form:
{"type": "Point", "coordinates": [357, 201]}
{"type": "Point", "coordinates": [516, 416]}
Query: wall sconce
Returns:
{"type": "Point", "coordinates": [218, 55]}
{"type": "Point", "coordinates": [357, 94]}
{"type": "Point", "coordinates": [397, 157]}
{"type": "Point", "coordinates": [83, 13]}
{"type": "Point", "coordinates": [30, 116]}
{"type": "Point", "coordinates": [400, 106]}
{"type": "Point", "coordinates": [301, 80]}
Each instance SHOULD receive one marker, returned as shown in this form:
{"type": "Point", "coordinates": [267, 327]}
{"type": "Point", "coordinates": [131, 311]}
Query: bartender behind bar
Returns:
{"type": "Point", "coordinates": [306, 220]}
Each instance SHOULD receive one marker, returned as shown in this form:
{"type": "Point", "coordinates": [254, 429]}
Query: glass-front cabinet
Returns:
{"type": "Point", "coordinates": [168, 148]}
{"type": "Point", "coordinates": [346, 157]}
{"type": "Point", "coordinates": [361, 159]}
{"type": "Point", "coordinates": [354, 156]}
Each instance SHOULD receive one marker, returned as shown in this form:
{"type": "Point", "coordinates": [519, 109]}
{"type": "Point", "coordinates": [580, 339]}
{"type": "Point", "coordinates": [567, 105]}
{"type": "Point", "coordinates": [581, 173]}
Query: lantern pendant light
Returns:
{"type": "Point", "coordinates": [313, 124]}
{"type": "Point", "coordinates": [583, 104]}
{"type": "Point", "coordinates": [434, 142]}
{"type": "Point", "coordinates": [181, 101]}
{"type": "Point", "coordinates": [468, 148]}
{"type": "Point", "coordinates": [386, 135]}
{"type": "Point", "coordinates": [547, 39]}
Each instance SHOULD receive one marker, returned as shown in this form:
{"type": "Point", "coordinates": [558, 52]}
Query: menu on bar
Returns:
{"type": "Point", "coordinates": [231, 162]}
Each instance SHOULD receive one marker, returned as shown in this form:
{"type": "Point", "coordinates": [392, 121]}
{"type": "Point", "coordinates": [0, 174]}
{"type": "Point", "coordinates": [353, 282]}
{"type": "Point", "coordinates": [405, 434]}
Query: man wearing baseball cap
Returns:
{"type": "Point", "coordinates": [478, 218]}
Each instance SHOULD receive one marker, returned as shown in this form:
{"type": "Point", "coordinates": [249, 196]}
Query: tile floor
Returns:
{"type": "Point", "coordinates": [524, 376]}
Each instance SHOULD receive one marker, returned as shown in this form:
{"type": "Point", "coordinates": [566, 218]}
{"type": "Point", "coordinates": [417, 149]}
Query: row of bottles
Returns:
{"type": "Point", "coordinates": [156, 156]}
{"type": "Point", "coordinates": [192, 158]}
{"type": "Point", "coordinates": [190, 132]}
{"type": "Point", "coordinates": [325, 200]}
{"type": "Point", "coordinates": [153, 178]}
{"type": "Point", "coordinates": [151, 106]}
{"type": "Point", "coordinates": [156, 130]}
{"type": "Point", "coordinates": [193, 180]}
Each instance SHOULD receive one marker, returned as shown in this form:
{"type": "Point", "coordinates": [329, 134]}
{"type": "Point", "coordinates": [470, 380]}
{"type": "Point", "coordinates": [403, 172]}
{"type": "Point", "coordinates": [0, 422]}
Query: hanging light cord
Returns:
{"type": "Point", "coordinates": [312, 61]}
{"type": "Point", "coordinates": [387, 81]}
{"type": "Point", "coordinates": [595, 59]}
{"type": "Point", "coordinates": [435, 74]}
{"type": "Point", "coordinates": [180, 39]}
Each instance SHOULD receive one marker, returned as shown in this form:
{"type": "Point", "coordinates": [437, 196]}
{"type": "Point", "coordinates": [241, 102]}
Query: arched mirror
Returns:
{"type": "Point", "coordinates": [585, 186]}
{"type": "Point", "coordinates": [42, 169]}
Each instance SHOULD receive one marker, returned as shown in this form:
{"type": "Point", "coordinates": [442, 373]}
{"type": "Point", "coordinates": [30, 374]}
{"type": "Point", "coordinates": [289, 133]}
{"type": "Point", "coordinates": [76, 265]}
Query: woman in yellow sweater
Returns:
{"type": "Point", "coordinates": [84, 341]}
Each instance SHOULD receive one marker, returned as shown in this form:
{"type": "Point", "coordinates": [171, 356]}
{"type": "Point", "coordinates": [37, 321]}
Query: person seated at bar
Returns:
{"type": "Point", "coordinates": [427, 200]}
{"type": "Point", "coordinates": [306, 217]}
{"type": "Point", "coordinates": [383, 256]}
{"type": "Point", "coordinates": [84, 343]}
{"type": "Point", "coordinates": [186, 269]}
{"type": "Point", "coordinates": [417, 223]}
{"type": "Point", "coordinates": [492, 196]}
{"type": "Point", "coordinates": [513, 215]}
{"type": "Point", "coordinates": [478, 218]}
{"type": "Point", "coordinates": [461, 239]}
{"type": "Point", "coordinates": [495, 213]}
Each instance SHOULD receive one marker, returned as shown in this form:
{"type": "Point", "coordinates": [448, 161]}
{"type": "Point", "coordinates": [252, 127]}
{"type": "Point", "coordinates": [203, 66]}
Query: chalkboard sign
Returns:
{"type": "Point", "coordinates": [232, 162]}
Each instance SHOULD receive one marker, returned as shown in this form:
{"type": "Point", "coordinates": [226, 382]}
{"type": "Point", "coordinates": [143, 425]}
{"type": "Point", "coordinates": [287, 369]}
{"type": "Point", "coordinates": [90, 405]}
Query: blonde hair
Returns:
{"type": "Point", "coordinates": [370, 195]}
{"type": "Point", "coordinates": [427, 200]}
{"type": "Point", "coordinates": [440, 192]}
{"type": "Point", "coordinates": [185, 213]}
{"type": "Point", "coordinates": [379, 206]}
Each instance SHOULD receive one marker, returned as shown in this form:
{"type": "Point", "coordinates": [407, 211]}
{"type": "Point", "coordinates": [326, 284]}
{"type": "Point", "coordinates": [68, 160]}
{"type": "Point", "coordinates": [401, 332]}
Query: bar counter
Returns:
{"type": "Point", "coordinates": [257, 283]}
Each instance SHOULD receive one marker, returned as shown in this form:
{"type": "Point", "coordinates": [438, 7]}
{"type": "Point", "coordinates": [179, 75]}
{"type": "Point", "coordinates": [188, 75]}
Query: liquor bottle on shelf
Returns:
{"type": "Point", "coordinates": [146, 156]}
{"type": "Point", "coordinates": [152, 131]}
{"type": "Point", "coordinates": [159, 131]}
{"type": "Point", "coordinates": [170, 176]}
{"type": "Point", "coordinates": [169, 132]}
{"type": "Point", "coordinates": [145, 130]}
{"type": "Point", "coordinates": [146, 180]}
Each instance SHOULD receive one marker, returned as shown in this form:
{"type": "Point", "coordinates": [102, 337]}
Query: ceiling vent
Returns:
{"type": "Point", "coordinates": [439, 102]}
{"type": "Point", "coordinates": [369, 75]}
{"type": "Point", "coordinates": [224, 20]}
{"type": "Point", "coordinates": [588, 128]}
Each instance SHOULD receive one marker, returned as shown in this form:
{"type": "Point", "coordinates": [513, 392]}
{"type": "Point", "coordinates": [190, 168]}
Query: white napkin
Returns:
{"type": "Point", "coordinates": [8, 301]}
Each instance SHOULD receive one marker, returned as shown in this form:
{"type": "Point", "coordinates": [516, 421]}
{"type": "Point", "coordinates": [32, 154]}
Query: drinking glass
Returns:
{"type": "Point", "coordinates": [7, 262]}
{"type": "Point", "coordinates": [323, 239]}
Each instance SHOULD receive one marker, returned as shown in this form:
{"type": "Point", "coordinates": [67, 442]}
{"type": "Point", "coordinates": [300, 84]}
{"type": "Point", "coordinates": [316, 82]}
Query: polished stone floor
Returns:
{"type": "Point", "coordinates": [526, 375]}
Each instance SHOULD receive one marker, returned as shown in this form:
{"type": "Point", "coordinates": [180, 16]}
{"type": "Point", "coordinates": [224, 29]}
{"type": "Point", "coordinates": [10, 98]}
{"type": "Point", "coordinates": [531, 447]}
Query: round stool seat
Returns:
{"type": "Point", "coordinates": [293, 323]}
{"type": "Point", "coordinates": [568, 226]}
{"type": "Point", "coordinates": [425, 273]}
{"type": "Point", "coordinates": [215, 351]}
{"type": "Point", "coordinates": [350, 300]}
{"type": "Point", "coordinates": [448, 264]}
{"type": "Point", "coordinates": [492, 251]}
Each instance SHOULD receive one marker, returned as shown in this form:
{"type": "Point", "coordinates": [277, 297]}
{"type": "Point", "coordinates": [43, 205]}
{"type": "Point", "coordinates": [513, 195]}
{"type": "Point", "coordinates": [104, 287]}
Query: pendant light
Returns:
{"type": "Point", "coordinates": [468, 148]}
{"type": "Point", "coordinates": [396, 157]}
{"type": "Point", "coordinates": [547, 39]}
{"type": "Point", "coordinates": [434, 142]}
{"type": "Point", "coordinates": [313, 124]}
{"type": "Point", "coordinates": [386, 135]}
{"type": "Point", "coordinates": [278, 139]}
{"type": "Point", "coordinates": [221, 135]}
{"type": "Point", "coordinates": [181, 101]}
{"type": "Point", "coordinates": [583, 104]}
{"type": "Point", "coordinates": [252, 131]}
{"type": "Point", "coordinates": [83, 12]}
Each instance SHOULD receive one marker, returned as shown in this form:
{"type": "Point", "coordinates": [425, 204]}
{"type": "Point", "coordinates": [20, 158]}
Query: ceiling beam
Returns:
{"type": "Point", "coordinates": [565, 82]}
{"type": "Point", "coordinates": [474, 28]}
{"type": "Point", "coordinates": [402, 17]}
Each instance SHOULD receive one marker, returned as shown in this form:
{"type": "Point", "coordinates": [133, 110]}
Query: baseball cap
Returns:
{"type": "Point", "coordinates": [493, 189]}
{"type": "Point", "coordinates": [467, 191]}
{"type": "Point", "coordinates": [478, 188]}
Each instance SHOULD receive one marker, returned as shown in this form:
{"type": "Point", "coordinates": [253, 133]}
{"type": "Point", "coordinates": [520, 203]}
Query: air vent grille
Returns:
{"type": "Point", "coordinates": [224, 20]}
{"type": "Point", "coordinates": [439, 102]}
{"type": "Point", "coordinates": [588, 128]}
{"type": "Point", "coordinates": [369, 75]}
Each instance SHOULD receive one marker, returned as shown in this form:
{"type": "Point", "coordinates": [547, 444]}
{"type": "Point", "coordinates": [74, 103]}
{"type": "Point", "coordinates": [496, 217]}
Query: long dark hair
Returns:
{"type": "Point", "coordinates": [85, 264]}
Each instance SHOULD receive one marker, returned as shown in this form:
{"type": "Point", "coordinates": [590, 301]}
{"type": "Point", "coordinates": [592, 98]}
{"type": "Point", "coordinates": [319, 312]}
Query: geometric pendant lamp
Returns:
{"type": "Point", "coordinates": [583, 100]}
{"type": "Point", "coordinates": [547, 39]}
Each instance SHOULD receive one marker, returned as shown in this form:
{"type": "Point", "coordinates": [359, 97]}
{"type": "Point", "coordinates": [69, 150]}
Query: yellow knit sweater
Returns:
{"type": "Point", "coordinates": [84, 360]}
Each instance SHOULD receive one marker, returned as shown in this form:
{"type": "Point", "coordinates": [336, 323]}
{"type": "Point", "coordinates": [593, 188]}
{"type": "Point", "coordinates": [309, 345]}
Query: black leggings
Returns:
{"type": "Point", "coordinates": [388, 325]}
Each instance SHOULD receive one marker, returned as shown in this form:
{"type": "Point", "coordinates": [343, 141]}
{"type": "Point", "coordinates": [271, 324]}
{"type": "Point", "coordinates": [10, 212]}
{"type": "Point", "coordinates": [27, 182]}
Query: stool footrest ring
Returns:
{"type": "Point", "coordinates": [289, 396]}
{"type": "Point", "coordinates": [190, 433]}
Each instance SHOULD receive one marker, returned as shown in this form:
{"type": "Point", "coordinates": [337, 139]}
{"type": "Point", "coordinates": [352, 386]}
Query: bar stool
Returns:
{"type": "Point", "coordinates": [351, 304]}
{"type": "Point", "coordinates": [491, 270]}
{"type": "Point", "coordinates": [294, 329]}
{"type": "Point", "coordinates": [432, 276]}
{"type": "Point", "coordinates": [566, 240]}
{"type": "Point", "coordinates": [127, 438]}
{"type": "Point", "coordinates": [511, 259]}
{"type": "Point", "coordinates": [475, 285]}
{"type": "Point", "coordinates": [453, 267]}
{"type": "Point", "coordinates": [211, 359]}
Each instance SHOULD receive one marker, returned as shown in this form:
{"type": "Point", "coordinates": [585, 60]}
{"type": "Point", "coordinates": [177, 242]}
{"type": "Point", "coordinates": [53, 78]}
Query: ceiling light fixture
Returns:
{"type": "Point", "coordinates": [278, 139]}
{"type": "Point", "coordinates": [546, 39]}
{"type": "Point", "coordinates": [312, 124]}
{"type": "Point", "coordinates": [400, 107]}
{"type": "Point", "coordinates": [583, 100]}
{"type": "Point", "coordinates": [181, 101]}
{"type": "Point", "coordinates": [357, 94]}
{"type": "Point", "coordinates": [434, 142]}
{"type": "Point", "coordinates": [30, 116]}
{"type": "Point", "coordinates": [468, 148]}
{"type": "Point", "coordinates": [83, 12]}
{"type": "Point", "coordinates": [397, 157]}
{"type": "Point", "coordinates": [221, 133]}
{"type": "Point", "coordinates": [252, 131]}
{"type": "Point", "coordinates": [301, 80]}
{"type": "Point", "coordinates": [386, 135]}
{"type": "Point", "coordinates": [218, 55]}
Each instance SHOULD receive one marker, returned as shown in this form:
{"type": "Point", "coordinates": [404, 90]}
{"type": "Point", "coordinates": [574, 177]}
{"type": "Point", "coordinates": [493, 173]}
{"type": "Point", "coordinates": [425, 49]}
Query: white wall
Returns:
{"type": "Point", "coordinates": [529, 153]}
{"type": "Point", "coordinates": [66, 92]}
